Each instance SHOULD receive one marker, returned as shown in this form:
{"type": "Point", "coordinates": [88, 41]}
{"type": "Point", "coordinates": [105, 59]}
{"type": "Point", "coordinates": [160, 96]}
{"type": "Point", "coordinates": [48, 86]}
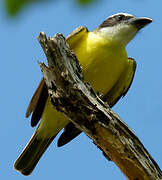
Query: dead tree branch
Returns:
{"type": "Point", "coordinates": [77, 100]}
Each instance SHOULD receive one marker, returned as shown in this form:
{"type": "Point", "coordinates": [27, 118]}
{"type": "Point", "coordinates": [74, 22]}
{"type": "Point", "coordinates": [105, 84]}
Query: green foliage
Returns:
{"type": "Point", "coordinates": [85, 2]}
{"type": "Point", "coordinates": [14, 6]}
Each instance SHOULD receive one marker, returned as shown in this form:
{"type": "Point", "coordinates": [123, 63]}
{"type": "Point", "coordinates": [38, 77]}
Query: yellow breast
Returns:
{"type": "Point", "coordinates": [101, 60]}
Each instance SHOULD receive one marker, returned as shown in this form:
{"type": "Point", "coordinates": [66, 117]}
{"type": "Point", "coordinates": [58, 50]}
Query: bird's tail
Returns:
{"type": "Point", "coordinates": [31, 154]}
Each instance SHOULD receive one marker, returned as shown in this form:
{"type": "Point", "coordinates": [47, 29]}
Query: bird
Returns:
{"type": "Point", "coordinates": [105, 65]}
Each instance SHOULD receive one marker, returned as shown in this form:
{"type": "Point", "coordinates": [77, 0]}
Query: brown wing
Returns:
{"type": "Point", "coordinates": [37, 103]}
{"type": "Point", "coordinates": [119, 90]}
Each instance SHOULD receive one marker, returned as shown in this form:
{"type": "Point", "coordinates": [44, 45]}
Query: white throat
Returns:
{"type": "Point", "coordinates": [121, 33]}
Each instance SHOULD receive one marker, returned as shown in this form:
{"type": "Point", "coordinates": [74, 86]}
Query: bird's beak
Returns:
{"type": "Point", "coordinates": [140, 22]}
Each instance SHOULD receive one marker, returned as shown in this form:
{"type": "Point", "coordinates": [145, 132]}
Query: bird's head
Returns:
{"type": "Point", "coordinates": [122, 27]}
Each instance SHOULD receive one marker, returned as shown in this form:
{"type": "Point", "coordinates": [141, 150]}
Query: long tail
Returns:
{"type": "Point", "coordinates": [31, 154]}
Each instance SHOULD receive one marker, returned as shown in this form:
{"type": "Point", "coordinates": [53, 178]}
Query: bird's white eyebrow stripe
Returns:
{"type": "Point", "coordinates": [125, 14]}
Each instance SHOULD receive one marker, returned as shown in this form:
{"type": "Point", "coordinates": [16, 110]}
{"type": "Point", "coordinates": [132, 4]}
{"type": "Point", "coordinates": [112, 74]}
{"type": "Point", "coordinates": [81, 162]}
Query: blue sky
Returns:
{"type": "Point", "coordinates": [141, 109]}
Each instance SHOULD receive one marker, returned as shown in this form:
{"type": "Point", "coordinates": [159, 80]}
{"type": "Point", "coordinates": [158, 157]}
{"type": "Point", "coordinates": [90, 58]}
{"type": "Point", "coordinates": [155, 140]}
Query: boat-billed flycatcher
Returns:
{"type": "Point", "coordinates": [105, 66]}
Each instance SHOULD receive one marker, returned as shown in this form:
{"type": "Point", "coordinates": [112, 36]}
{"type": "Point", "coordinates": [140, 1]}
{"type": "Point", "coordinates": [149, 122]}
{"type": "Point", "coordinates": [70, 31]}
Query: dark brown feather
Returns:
{"type": "Point", "coordinates": [70, 132]}
{"type": "Point", "coordinates": [33, 102]}
{"type": "Point", "coordinates": [38, 111]}
{"type": "Point", "coordinates": [37, 103]}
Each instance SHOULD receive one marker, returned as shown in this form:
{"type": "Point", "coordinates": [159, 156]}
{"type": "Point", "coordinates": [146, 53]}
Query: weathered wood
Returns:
{"type": "Point", "coordinates": [77, 100]}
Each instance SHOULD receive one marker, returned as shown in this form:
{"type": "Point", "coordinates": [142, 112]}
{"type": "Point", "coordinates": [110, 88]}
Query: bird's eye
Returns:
{"type": "Point", "coordinates": [120, 17]}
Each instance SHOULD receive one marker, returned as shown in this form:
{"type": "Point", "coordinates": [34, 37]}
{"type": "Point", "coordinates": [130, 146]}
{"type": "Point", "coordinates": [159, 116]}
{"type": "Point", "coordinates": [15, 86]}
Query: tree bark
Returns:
{"type": "Point", "coordinates": [71, 95]}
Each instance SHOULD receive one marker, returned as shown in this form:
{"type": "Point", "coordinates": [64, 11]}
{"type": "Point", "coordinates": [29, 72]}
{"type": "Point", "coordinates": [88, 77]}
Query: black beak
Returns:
{"type": "Point", "coordinates": [141, 22]}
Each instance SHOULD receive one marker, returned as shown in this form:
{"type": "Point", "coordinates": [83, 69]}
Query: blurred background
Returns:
{"type": "Point", "coordinates": [20, 24]}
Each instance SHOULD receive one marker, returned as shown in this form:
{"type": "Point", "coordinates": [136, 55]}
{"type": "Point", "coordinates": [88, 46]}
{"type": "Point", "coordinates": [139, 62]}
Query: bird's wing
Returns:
{"type": "Point", "coordinates": [122, 86]}
{"type": "Point", "coordinates": [76, 34]}
{"type": "Point", "coordinates": [37, 103]}
{"type": "Point", "coordinates": [119, 90]}
{"type": "Point", "coordinates": [70, 132]}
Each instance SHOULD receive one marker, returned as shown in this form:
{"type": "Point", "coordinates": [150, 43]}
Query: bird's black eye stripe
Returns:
{"type": "Point", "coordinates": [113, 20]}
{"type": "Point", "coordinates": [120, 17]}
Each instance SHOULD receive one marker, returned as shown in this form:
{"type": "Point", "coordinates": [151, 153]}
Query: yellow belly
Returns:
{"type": "Point", "coordinates": [102, 64]}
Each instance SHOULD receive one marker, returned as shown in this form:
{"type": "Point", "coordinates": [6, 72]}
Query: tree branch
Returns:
{"type": "Point", "coordinates": [77, 100]}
